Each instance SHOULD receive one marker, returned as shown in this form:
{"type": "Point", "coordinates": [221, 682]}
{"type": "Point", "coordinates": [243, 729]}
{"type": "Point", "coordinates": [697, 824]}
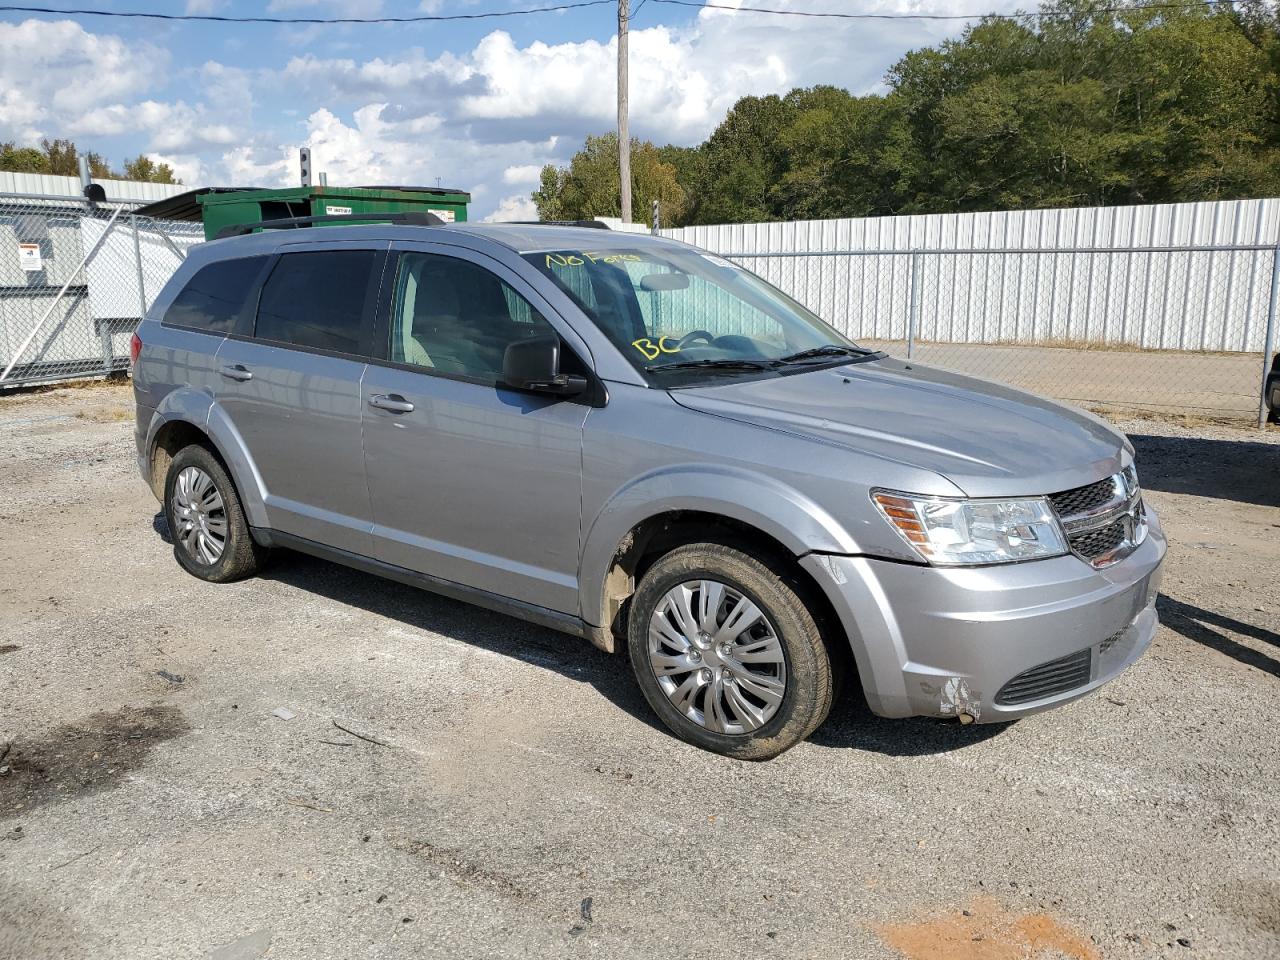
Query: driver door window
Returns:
{"type": "Point", "coordinates": [456, 318]}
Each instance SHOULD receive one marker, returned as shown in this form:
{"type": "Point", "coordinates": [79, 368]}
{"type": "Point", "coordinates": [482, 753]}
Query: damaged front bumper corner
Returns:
{"type": "Point", "coordinates": [992, 643]}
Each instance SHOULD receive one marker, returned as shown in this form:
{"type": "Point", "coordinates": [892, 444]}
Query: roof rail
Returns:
{"type": "Point", "coordinates": [594, 224]}
{"type": "Point", "coordinates": [413, 219]}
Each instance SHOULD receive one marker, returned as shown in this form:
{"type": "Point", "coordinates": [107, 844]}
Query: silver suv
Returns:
{"type": "Point", "coordinates": [637, 442]}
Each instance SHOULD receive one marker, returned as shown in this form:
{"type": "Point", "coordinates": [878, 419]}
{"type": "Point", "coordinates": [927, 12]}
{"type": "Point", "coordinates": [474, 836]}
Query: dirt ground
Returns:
{"type": "Point", "coordinates": [454, 783]}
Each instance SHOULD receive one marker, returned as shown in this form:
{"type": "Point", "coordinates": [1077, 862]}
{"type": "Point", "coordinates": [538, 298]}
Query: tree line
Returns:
{"type": "Point", "coordinates": [1087, 104]}
{"type": "Point", "coordinates": [62, 158]}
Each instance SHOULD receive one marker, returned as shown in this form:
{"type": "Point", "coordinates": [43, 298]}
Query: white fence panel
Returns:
{"type": "Point", "coordinates": [1088, 276]}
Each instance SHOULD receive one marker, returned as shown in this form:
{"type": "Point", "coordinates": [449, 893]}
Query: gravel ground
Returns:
{"type": "Point", "coordinates": [1221, 386]}
{"type": "Point", "coordinates": [522, 802]}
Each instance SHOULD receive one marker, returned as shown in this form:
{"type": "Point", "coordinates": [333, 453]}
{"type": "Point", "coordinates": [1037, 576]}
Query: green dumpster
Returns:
{"type": "Point", "coordinates": [231, 208]}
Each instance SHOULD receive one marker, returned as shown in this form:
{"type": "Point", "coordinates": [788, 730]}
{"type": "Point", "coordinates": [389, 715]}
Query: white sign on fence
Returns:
{"type": "Point", "coordinates": [29, 258]}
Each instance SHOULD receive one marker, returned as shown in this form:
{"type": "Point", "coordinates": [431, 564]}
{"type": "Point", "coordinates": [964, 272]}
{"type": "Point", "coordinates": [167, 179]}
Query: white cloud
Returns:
{"type": "Point", "coordinates": [413, 77]}
{"type": "Point", "coordinates": [174, 127]}
{"type": "Point", "coordinates": [517, 207]}
{"type": "Point", "coordinates": [259, 167]}
{"type": "Point", "coordinates": [675, 91]}
{"type": "Point", "coordinates": [188, 168]}
{"type": "Point", "coordinates": [483, 119]}
{"type": "Point", "coordinates": [683, 80]}
{"type": "Point", "coordinates": [52, 71]}
{"type": "Point", "coordinates": [527, 173]}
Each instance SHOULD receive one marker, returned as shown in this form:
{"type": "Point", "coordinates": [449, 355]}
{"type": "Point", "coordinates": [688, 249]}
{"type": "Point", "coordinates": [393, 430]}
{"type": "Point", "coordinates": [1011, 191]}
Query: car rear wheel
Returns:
{"type": "Point", "coordinates": [727, 653]}
{"type": "Point", "coordinates": [211, 538]}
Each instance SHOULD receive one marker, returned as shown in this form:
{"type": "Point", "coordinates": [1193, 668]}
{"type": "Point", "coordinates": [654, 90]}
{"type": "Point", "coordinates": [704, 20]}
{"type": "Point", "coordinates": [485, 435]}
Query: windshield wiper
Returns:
{"type": "Point", "coordinates": [826, 350]}
{"type": "Point", "coordinates": [725, 363]}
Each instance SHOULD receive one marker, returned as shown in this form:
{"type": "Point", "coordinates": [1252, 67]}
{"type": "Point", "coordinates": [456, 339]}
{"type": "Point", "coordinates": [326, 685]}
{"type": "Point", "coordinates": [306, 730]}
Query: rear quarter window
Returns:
{"type": "Point", "coordinates": [317, 299]}
{"type": "Point", "coordinates": [213, 298]}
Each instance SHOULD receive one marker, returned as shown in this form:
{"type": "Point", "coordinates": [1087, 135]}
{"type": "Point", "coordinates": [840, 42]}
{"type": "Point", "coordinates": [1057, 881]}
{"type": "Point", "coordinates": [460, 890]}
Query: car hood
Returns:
{"type": "Point", "coordinates": [988, 439]}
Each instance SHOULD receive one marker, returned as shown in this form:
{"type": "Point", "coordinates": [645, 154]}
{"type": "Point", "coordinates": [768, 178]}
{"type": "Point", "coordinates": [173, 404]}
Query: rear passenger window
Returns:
{"type": "Point", "coordinates": [213, 298]}
{"type": "Point", "coordinates": [316, 299]}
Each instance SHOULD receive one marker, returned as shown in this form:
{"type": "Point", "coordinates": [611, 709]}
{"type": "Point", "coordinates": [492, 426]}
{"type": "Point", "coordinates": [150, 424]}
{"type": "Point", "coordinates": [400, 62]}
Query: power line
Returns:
{"type": "Point", "coordinates": [697, 4]}
{"type": "Point", "coordinates": [209, 17]}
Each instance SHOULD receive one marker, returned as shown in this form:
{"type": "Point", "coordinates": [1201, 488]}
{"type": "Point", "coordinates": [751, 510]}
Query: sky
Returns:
{"type": "Point", "coordinates": [476, 105]}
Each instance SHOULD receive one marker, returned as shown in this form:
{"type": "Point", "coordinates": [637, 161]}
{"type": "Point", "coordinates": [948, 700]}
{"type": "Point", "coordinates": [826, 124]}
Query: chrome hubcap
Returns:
{"type": "Point", "coordinates": [717, 657]}
{"type": "Point", "coordinates": [199, 516]}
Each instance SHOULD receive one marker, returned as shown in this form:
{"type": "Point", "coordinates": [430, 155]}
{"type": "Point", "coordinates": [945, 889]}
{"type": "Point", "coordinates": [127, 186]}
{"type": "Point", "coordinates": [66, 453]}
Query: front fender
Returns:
{"type": "Point", "coordinates": [759, 501]}
{"type": "Point", "coordinates": [188, 405]}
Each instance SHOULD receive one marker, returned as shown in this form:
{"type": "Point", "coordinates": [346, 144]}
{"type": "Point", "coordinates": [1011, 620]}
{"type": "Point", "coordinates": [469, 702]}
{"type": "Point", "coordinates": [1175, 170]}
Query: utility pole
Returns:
{"type": "Point", "coordinates": [624, 129]}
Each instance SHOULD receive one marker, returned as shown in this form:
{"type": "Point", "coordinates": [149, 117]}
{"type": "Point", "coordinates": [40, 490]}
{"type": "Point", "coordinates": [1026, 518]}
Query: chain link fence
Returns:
{"type": "Point", "coordinates": [1155, 330]}
{"type": "Point", "coordinates": [1178, 328]}
{"type": "Point", "coordinates": [75, 279]}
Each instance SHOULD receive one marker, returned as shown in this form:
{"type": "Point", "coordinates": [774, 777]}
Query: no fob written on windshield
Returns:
{"type": "Point", "coordinates": [582, 257]}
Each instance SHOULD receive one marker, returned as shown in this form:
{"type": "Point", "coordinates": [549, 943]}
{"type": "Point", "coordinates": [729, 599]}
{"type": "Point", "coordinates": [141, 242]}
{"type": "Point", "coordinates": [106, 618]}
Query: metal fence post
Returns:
{"type": "Point", "coordinates": [137, 262]}
{"type": "Point", "coordinates": [913, 309]}
{"type": "Point", "coordinates": [1269, 339]}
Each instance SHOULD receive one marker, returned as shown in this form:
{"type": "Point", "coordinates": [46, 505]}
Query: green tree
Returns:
{"type": "Point", "coordinates": [99, 169]}
{"type": "Point", "coordinates": [61, 158]}
{"type": "Point", "coordinates": [741, 162]}
{"type": "Point", "coordinates": [144, 168]}
{"type": "Point", "coordinates": [22, 159]}
{"type": "Point", "coordinates": [588, 187]}
{"type": "Point", "coordinates": [1088, 104]}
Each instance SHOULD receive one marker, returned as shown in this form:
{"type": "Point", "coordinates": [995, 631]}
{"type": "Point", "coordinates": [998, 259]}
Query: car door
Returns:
{"type": "Point", "coordinates": [470, 482]}
{"type": "Point", "coordinates": [290, 384]}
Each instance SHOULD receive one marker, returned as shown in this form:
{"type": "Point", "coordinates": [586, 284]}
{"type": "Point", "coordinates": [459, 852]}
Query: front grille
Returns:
{"type": "Point", "coordinates": [1048, 679]}
{"type": "Point", "coordinates": [1084, 498]}
{"type": "Point", "coordinates": [1096, 543]}
{"type": "Point", "coordinates": [1104, 521]}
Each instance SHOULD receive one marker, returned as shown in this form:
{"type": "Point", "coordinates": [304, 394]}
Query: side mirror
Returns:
{"type": "Point", "coordinates": [534, 365]}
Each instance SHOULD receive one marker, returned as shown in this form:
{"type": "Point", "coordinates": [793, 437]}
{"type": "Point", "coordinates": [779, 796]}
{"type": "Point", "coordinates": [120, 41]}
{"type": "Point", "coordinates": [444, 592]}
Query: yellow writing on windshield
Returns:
{"type": "Point", "coordinates": [653, 349]}
{"type": "Point", "coordinates": [580, 257]}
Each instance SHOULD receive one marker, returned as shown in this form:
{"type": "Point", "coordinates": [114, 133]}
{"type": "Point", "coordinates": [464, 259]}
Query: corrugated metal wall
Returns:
{"type": "Point", "coordinates": [51, 186]}
{"type": "Point", "coordinates": [1034, 276]}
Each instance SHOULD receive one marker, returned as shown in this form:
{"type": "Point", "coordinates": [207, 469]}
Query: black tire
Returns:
{"type": "Point", "coordinates": [240, 556]}
{"type": "Point", "coordinates": [809, 689]}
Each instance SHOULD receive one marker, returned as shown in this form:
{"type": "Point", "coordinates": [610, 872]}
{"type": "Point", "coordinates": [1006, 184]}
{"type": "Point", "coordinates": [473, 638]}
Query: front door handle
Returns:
{"type": "Point", "coordinates": [236, 371]}
{"type": "Point", "coordinates": [391, 401]}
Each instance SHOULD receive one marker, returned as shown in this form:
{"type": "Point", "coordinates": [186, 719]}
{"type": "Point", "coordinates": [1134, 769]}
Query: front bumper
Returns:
{"type": "Point", "coordinates": [944, 641]}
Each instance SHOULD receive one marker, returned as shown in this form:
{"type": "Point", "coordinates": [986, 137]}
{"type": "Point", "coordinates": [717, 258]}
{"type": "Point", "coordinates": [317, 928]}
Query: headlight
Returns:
{"type": "Point", "coordinates": [973, 531]}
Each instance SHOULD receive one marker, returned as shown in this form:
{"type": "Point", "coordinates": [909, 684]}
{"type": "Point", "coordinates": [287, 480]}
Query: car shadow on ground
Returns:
{"type": "Point", "coordinates": [851, 724]}
{"type": "Point", "coordinates": [1206, 627]}
{"type": "Point", "coordinates": [1241, 470]}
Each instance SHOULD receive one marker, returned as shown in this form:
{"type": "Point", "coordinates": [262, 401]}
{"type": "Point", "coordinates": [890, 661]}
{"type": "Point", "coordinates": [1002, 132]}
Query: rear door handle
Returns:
{"type": "Point", "coordinates": [235, 371]}
{"type": "Point", "coordinates": [391, 401]}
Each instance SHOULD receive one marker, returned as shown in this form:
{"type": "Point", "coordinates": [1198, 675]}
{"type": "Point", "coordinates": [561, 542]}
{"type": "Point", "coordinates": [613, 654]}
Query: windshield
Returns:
{"type": "Point", "coordinates": [683, 314]}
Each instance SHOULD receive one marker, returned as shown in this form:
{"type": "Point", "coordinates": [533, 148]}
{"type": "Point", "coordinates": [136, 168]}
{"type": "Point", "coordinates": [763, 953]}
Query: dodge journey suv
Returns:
{"type": "Point", "coordinates": [629, 439]}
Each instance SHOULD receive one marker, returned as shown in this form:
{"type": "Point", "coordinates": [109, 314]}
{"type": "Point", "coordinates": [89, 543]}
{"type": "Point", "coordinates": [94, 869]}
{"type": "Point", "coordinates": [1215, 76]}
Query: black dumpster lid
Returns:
{"type": "Point", "coordinates": [436, 190]}
{"type": "Point", "coordinates": [185, 206]}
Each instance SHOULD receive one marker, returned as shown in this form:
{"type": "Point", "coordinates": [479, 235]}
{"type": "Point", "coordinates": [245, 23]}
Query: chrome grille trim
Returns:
{"type": "Point", "coordinates": [1104, 521]}
{"type": "Point", "coordinates": [1084, 499]}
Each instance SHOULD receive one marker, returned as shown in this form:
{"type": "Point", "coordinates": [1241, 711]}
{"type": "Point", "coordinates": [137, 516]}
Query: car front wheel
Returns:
{"type": "Point", "coordinates": [727, 653]}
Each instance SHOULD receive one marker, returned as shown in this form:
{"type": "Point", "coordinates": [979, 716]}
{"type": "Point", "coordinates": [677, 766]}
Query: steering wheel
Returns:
{"type": "Point", "coordinates": [693, 335]}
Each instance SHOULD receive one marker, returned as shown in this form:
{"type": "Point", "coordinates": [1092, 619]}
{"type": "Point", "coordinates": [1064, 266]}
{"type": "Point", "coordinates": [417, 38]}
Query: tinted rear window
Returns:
{"type": "Point", "coordinates": [316, 299]}
{"type": "Point", "coordinates": [212, 299]}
